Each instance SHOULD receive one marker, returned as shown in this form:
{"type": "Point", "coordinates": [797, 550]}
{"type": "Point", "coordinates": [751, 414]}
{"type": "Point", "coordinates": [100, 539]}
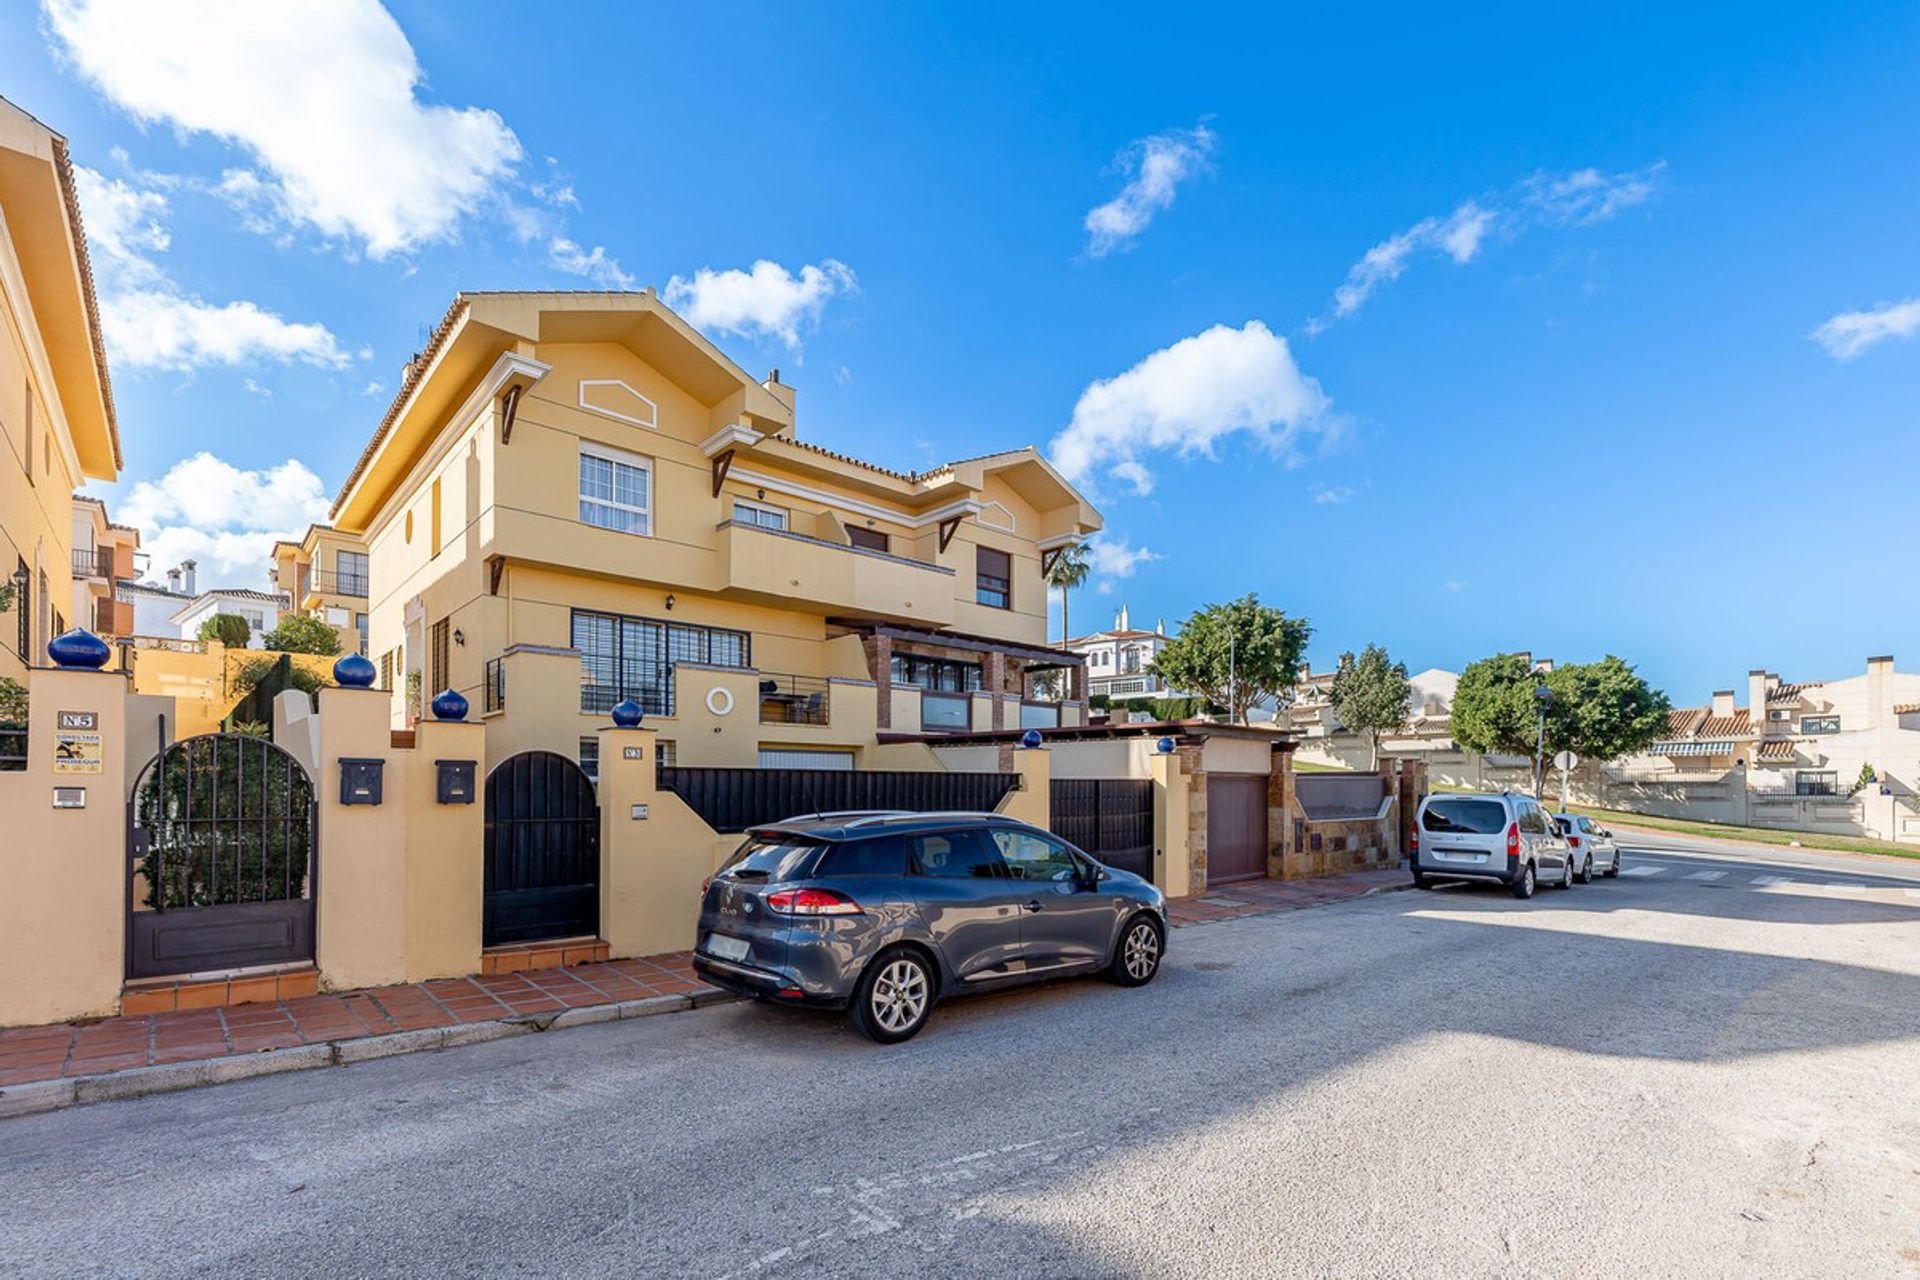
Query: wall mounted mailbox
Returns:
{"type": "Point", "coordinates": [360, 780]}
{"type": "Point", "coordinates": [454, 781]}
{"type": "Point", "coordinates": [69, 797]}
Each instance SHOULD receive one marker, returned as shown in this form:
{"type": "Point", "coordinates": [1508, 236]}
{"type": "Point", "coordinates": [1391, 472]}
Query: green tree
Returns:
{"type": "Point", "coordinates": [303, 633]}
{"type": "Point", "coordinates": [1235, 654]}
{"type": "Point", "coordinates": [1600, 710]}
{"type": "Point", "coordinates": [1068, 572]}
{"type": "Point", "coordinates": [230, 629]}
{"type": "Point", "coordinates": [1370, 694]}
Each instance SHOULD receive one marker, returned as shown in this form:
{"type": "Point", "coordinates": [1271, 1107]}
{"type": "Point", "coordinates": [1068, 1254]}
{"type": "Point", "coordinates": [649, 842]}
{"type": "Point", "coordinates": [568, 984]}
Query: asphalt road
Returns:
{"type": "Point", "coordinates": [1707, 1067]}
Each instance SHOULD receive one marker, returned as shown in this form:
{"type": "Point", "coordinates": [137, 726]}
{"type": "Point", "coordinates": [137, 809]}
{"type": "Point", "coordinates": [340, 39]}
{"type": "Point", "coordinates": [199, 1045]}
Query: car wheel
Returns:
{"type": "Point", "coordinates": [894, 997]}
{"type": "Point", "coordinates": [1586, 870]}
{"type": "Point", "coordinates": [1421, 882]}
{"type": "Point", "coordinates": [1523, 887]}
{"type": "Point", "coordinates": [1613, 872]}
{"type": "Point", "coordinates": [1137, 958]}
{"type": "Point", "coordinates": [1566, 873]}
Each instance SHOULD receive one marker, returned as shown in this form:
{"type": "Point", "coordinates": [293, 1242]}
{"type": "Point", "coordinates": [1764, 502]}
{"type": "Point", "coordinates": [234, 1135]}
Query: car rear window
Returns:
{"type": "Point", "coordinates": [1467, 817]}
{"type": "Point", "coordinates": [771, 859]}
{"type": "Point", "coordinates": [883, 856]}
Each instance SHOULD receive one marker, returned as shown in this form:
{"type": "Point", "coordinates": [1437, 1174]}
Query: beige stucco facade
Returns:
{"type": "Point", "coordinates": [56, 406]}
{"type": "Point", "coordinates": [325, 575]}
{"type": "Point", "coordinates": [783, 586]}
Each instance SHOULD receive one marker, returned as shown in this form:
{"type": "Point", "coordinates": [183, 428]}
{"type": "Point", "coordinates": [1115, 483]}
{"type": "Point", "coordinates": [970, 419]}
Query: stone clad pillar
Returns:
{"type": "Point", "coordinates": [1283, 808]}
{"type": "Point", "coordinates": [64, 870]}
{"type": "Point", "coordinates": [1032, 800]}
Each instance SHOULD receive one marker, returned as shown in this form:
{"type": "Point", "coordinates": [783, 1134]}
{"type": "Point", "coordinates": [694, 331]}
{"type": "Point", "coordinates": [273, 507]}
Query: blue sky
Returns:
{"type": "Point", "coordinates": [1627, 357]}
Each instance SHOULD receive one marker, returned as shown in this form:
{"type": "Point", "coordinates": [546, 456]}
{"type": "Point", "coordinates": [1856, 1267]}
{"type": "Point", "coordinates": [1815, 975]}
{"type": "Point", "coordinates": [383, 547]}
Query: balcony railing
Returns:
{"type": "Point", "coordinates": [654, 700]}
{"type": "Point", "coordinates": [93, 562]}
{"type": "Point", "coordinates": [329, 582]}
{"type": "Point", "coordinates": [1039, 715]}
{"type": "Point", "coordinates": [493, 693]}
{"type": "Point", "coordinates": [794, 699]}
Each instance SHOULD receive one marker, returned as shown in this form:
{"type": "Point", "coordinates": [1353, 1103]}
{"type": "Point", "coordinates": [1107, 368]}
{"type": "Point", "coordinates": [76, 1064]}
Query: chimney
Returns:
{"type": "Point", "coordinates": [173, 581]}
{"type": "Point", "coordinates": [1880, 692]}
{"type": "Point", "coordinates": [189, 577]}
{"type": "Point", "coordinates": [1723, 702]}
{"type": "Point", "coordinates": [1758, 686]}
{"type": "Point", "coordinates": [1122, 622]}
{"type": "Point", "coordinates": [1160, 627]}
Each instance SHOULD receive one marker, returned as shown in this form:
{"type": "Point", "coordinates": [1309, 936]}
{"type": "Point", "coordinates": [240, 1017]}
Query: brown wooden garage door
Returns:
{"type": "Point", "coordinates": [1236, 826]}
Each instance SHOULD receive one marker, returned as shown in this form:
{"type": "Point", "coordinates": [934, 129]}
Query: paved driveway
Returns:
{"type": "Point", "coordinates": [1705, 1068]}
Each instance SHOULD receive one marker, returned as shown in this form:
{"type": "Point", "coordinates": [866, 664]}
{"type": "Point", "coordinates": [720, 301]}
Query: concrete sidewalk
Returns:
{"type": "Point", "coordinates": [48, 1067]}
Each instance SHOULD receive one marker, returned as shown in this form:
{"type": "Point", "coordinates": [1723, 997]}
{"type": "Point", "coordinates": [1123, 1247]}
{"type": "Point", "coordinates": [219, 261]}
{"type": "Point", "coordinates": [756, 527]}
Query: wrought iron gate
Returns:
{"type": "Point", "coordinates": [1110, 818]}
{"type": "Point", "coordinates": [542, 851]}
{"type": "Point", "coordinates": [221, 843]}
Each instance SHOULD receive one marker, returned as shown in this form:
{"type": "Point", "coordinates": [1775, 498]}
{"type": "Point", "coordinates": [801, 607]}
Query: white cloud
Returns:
{"type": "Point", "coordinates": [1852, 333]}
{"type": "Point", "coordinates": [1116, 557]}
{"type": "Point", "coordinates": [1454, 585]}
{"type": "Point", "coordinates": [265, 393]}
{"type": "Point", "coordinates": [1156, 166]}
{"type": "Point", "coordinates": [322, 95]}
{"type": "Point", "coordinates": [228, 519]}
{"type": "Point", "coordinates": [373, 388]}
{"type": "Point", "coordinates": [1332, 495]}
{"type": "Point", "coordinates": [1577, 199]}
{"type": "Point", "coordinates": [767, 301]}
{"type": "Point", "coordinates": [149, 323]}
{"type": "Point", "coordinates": [594, 264]}
{"type": "Point", "coordinates": [1184, 398]}
{"type": "Point", "coordinates": [156, 330]}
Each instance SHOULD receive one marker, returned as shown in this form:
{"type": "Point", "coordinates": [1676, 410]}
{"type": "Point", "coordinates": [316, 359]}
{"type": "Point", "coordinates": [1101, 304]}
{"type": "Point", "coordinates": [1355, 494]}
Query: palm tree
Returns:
{"type": "Point", "coordinates": [1070, 570]}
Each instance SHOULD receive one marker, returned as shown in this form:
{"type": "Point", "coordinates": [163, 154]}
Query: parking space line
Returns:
{"type": "Point", "coordinates": [1769, 881]}
{"type": "Point", "coordinates": [1844, 886]}
{"type": "Point", "coordinates": [1642, 871]}
{"type": "Point", "coordinates": [1706, 875]}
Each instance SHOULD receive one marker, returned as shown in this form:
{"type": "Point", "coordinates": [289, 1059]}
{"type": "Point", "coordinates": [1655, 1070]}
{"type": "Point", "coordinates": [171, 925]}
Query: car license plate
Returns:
{"type": "Point", "coordinates": [726, 948]}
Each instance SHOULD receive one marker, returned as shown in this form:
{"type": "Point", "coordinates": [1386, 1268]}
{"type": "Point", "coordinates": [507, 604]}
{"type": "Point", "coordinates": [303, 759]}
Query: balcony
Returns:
{"type": "Point", "coordinates": [794, 571]}
{"type": "Point", "coordinates": [328, 582]}
{"type": "Point", "coordinates": [794, 699]}
{"type": "Point", "coordinates": [93, 562]}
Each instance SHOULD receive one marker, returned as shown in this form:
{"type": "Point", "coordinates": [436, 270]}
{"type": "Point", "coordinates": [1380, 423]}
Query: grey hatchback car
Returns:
{"type": "Point", "coordinates": [882, 914]}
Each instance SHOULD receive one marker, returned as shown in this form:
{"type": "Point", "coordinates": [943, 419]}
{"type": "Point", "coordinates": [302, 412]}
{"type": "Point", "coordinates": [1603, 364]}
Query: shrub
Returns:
{"type": "Point", "coordinates": [230, 629]}
{"type": "Point", "coordinates": [303, 633]}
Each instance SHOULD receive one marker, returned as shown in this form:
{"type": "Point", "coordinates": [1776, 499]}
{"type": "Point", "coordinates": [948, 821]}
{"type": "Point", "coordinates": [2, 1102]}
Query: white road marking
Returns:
{"type": "Point", "coordinates": [1706, 875]}
{"type": "Point", "coordinates": [1767, 882]}
{"type": "Point", "coordinates": [1642, 871]}
{"type": "Point", "coordinates": [1912, 893]}
{"type": "Point", "coordinates": [1844, 886]}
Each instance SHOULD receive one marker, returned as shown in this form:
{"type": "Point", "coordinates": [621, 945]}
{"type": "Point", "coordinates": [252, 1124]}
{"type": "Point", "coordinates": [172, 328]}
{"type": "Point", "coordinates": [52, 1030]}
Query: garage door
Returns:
{"type": "Point", "coordinates": [803, 758]}
{"type": "Point", "coordinates": [1236, 826]}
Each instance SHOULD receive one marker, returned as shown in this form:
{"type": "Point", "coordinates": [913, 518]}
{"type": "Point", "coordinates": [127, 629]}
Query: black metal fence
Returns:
{"type": "Point", "coordinates": [1110, 818]}
{"type": "Point", "coordinates": [331, 582]}
{"type": "Point", "coordinates": [736, 799]}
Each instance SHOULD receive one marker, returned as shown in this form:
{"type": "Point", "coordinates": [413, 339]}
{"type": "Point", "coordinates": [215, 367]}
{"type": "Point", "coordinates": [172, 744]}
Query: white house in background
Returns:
{"type": "Point", "coordinates": [1117, 661]}
{"type": "Point", "coordinates": [153, 607]}
{"type": "Point", "coordinates": [1324, 740]}
{"type": "Point", "coordinates": [261, 609]}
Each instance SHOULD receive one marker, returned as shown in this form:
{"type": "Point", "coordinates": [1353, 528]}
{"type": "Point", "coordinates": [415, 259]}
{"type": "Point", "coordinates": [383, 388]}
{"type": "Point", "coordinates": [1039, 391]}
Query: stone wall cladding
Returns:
{"type": "Point", "coordinates": [1190, 765]}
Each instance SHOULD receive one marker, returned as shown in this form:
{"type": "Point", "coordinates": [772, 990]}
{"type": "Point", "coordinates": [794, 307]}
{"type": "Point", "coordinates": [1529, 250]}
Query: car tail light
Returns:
{"type": "Point", "coordinates": [1513, 840]}
{"type": "Point", "coordinates": [1413, 839]}
{"type": "Point", "coordinates": [1573, 842]}
{"type": "Point", "coordinates": [812, 902]}
{"type": "Point", "coordinates": [704, 883]}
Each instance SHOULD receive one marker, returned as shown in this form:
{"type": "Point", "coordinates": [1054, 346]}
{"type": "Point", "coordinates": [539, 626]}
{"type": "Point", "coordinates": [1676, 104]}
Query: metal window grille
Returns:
{"type": "Point", "coordinates": [23, 611]}
{"type": "Point", "coordinates": [624, 657]}
{"type": "Point", "coordinates": [437, 657]}
{"type": "Point", "coordinates": [494, 696]}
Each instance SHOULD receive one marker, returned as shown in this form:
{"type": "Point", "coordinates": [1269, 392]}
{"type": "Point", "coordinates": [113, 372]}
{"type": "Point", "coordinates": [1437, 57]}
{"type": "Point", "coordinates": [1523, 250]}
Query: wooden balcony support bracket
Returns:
{"type": "Point", "coordinates": [496, 569]}
{"type": "Point", "coordinates": [949, 527]}
{"type": "Point", "coordinates": [509, 410]}
{"type": "Point", "coordinates": [722, 463]}
{"type": "Point", "coordinates": [1048, 559]}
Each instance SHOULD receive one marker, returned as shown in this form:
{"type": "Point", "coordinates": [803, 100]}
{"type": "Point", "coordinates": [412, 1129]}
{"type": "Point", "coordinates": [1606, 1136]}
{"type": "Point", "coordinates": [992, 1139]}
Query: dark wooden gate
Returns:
{"type": "Point", "coordinates": [1110, 818]}
{"type": "Point", "coordinates": [222, 836]}
{"type": "Point", "coordinates": [1236, 826]}
{"type": "Point", "coordinates": [736, 799]}
{"type": "Point", "coordinates": [542, 851]}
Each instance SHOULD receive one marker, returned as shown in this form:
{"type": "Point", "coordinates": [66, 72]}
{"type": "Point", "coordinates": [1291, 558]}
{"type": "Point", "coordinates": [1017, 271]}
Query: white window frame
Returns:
{"type": "Point", "coordinates": [766, 509]}
{"type": "Point", "coordinates": [620, 458]}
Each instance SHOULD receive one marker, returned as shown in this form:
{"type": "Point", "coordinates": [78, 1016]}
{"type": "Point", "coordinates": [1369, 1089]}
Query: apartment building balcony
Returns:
{"type": "Point", "coordinates": [1127, 686]}
{"type": "Point", "coordinates": [786, 699]}
{"type": "Point", "coordinates": [795, 571]}
{"type": "Point", "coordinates": [330, 582]}
{"type": "Point", "coordinates": [94, 563]}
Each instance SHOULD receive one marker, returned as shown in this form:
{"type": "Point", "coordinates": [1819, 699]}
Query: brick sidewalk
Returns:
{"type": "Point", "coordinates": [1263, 897]}
{"type": "Point", "coordinates": [29, 1054]}
{"type": "Point", "coordinates": [72, 1050]}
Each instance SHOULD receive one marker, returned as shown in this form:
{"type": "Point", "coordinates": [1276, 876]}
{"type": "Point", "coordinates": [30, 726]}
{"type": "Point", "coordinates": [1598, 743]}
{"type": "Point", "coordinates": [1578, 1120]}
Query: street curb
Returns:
{"type": "Point", "coordinates": [137, 1082]}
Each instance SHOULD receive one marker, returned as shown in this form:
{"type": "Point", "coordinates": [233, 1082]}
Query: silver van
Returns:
{"type": "Point", "coordinates": [1507, 838]}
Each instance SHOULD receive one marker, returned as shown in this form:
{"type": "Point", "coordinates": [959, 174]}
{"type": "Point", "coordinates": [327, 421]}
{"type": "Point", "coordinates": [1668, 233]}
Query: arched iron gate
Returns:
{"type": "Point", "coordinates": [542, 851]}
{"type": "Point", "coordinates": [223, 832]}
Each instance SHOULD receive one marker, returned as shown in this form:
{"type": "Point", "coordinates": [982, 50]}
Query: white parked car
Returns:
{"type": "Point", "coordinates": [1589, 837]}
{"type": "Point", "coordinates": [1506, 838]}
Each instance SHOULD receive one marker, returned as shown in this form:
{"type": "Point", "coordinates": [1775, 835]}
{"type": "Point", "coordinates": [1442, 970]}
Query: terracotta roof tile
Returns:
{"type": "Point", "coordinates": [1776, 750]}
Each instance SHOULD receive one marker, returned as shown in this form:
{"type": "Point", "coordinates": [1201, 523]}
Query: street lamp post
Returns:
{"type": "Point", "coordinates": [1543, 698]}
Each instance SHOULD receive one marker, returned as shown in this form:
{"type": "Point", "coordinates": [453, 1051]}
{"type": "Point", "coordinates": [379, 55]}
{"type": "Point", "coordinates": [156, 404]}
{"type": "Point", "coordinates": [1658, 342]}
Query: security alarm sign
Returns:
{"type": "Point", "coordinates": [76, 752]}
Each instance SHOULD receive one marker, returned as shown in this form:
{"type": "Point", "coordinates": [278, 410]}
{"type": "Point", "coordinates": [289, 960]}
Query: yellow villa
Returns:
{"type": "Point", "coordinates": [324, 575]}
{"type": "Point", "coordinates": [575, 499]}
{"type": "Point", "coordinates": [56, 404]}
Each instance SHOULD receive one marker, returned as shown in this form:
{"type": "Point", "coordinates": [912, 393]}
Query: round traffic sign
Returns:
{"type": "Point", "coordinates": [1566, 762]}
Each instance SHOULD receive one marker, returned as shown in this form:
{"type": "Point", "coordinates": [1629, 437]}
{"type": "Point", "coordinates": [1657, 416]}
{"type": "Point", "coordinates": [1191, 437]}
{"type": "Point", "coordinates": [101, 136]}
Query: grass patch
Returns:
{"type": "Point", "coordinates": [1303, 766]}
